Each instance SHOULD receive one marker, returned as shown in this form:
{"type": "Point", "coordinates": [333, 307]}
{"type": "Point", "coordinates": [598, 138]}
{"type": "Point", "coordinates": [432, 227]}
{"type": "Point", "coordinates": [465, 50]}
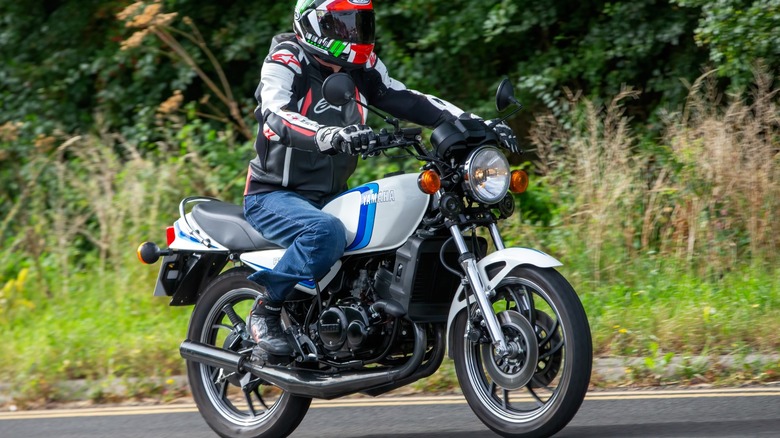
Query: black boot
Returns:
{"type": "Point", "coordinates": [265, 325]}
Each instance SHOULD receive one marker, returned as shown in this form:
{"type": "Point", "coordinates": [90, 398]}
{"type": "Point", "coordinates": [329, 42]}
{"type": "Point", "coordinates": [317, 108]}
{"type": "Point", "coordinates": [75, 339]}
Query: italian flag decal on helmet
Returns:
{"type": "Point", "coordinates": [336, 31]}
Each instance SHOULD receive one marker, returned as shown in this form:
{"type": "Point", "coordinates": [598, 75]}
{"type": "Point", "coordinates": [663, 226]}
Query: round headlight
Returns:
{"type": "Point", "coordinates": [487, 175]}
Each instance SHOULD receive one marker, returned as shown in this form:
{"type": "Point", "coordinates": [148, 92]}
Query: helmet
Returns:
{"type": "Point", "coordinates": [337, 31]}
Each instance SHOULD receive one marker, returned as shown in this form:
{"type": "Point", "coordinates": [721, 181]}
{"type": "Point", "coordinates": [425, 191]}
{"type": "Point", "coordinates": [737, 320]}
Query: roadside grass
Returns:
{"type": "Point", "coordinates": [110, 330]}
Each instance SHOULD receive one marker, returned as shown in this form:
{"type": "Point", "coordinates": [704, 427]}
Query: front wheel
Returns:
{"type": "Point", "coordinates": [233, 404]}
{"type": "Point", "coordinates": [536, 389]}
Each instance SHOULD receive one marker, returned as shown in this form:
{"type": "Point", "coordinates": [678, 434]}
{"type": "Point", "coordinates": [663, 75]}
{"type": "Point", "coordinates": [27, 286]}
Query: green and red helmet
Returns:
{"type": "Point", "coordinates": [337, 31]}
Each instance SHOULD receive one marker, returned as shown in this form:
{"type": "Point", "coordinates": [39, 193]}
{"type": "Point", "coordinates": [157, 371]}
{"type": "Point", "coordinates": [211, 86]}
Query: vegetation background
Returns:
{"type": "Point", "coordinates": [652, 130]}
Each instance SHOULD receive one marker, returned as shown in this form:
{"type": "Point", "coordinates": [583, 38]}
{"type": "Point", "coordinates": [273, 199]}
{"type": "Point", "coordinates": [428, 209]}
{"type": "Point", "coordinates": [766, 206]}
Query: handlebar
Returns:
{"type": "Point", "coordinates": [399, 138]}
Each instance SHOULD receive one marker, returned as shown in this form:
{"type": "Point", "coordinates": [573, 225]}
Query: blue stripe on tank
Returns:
{"type": "Point", "coordinates": [367, 216]}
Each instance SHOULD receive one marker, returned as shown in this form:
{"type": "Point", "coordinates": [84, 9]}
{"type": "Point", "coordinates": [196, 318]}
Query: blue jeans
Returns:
{"type": "Point", "coordinates": [315, 240]}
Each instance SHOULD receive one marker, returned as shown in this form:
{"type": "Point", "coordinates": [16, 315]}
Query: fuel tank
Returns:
{"type": "Point", "coordinates": [381, 214]}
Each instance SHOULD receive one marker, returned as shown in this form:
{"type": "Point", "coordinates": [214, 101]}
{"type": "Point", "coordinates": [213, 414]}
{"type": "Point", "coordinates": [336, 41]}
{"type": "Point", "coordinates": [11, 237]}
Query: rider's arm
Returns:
{"type": "Point", "coordinates": [282, 121]}
{"type": "Point", "coordinates": [393, 97]}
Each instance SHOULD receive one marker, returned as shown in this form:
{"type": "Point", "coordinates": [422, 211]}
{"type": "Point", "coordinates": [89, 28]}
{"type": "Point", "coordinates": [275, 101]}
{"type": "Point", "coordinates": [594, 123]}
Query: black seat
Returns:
{"type": "Point", "coordinates": [226, 224]}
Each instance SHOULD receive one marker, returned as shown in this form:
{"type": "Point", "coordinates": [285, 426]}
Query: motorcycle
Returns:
{"type": "Point", "coordinates": [416, 281]}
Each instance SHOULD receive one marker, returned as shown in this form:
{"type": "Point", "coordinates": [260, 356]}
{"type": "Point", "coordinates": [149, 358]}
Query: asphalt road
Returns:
{"type": "Point", "coordinates": [687, 413]}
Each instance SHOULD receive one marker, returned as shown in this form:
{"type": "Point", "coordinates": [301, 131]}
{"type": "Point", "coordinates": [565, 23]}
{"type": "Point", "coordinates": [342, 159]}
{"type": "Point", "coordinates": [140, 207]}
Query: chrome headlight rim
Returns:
{"type": "Point", "coordinates": [472, 183]}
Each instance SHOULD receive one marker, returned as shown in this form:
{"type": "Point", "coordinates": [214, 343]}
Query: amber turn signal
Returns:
{"type": "Point", "coordinates": [519, 181]}
{"type": "Point", "coordinates": [429, 182]}
{"type": "Point", "coordinates": [148, 253]}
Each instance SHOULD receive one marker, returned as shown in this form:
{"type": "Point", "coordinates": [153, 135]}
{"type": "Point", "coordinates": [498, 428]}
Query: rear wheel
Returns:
{"type": "Point", "coordinates": [536, 390]}
{"type": "Point", "coordinates": [236, 404]}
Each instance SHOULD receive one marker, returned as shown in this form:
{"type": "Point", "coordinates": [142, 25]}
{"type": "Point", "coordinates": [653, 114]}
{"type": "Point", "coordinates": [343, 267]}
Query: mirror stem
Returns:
{"type": "Point", "coordinates": [386, 118]}
{"type": "Point", "coordinates": [497, 121]}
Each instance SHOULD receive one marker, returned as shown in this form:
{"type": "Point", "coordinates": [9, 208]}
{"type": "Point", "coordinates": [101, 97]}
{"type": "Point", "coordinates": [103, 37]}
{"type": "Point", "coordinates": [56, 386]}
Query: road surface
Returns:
{"type": "Point", "coordinates": [753, 412]}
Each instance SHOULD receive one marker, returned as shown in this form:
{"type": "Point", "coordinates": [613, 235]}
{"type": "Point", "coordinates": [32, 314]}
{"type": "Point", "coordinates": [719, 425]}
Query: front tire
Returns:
{"type": "Point", "coordinates": [256, 410]}
{"type": "Point", "coordinates": [536, 392]}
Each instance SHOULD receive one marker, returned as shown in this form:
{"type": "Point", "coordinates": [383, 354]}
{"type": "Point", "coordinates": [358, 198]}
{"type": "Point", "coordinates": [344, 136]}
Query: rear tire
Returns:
{"type": "Point", "coordinates": [229, 410]}
{"type": "Point", "coordinates": [537, 392]}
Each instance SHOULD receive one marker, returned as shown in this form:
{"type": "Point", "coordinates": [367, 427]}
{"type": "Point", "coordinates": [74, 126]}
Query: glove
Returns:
{"type": "Point", "coordinates": [507, 137]}
{"type": "Point", "coordinates": [352, 140]}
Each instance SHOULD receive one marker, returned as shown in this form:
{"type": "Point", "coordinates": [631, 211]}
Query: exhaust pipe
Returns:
{"type": "Point", "coordinates": [309, 383]}
{"type": "Point", "coordinates": [212, 356]}
{"type": "Point", "coordinates": [425, 370]}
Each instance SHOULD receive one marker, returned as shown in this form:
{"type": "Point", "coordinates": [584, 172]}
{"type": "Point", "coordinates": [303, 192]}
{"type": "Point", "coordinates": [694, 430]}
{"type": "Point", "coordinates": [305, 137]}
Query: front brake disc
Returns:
{"type": "Point", "coordinates": [514, 370]}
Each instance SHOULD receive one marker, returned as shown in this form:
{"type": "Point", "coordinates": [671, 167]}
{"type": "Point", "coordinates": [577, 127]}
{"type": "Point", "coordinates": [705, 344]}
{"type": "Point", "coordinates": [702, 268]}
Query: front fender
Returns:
{"type": "Point", "coordinates": [507, 260]}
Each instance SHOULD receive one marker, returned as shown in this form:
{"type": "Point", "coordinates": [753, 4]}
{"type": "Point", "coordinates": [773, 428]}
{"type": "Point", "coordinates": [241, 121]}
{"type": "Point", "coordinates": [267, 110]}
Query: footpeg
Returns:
{"type": "Point", "coordinates": [304, 349]}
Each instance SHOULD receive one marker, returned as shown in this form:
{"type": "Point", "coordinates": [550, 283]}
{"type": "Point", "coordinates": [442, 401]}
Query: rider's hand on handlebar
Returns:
{"type": "Point", "coordinates": [507, 136]}
{"type": "Point", "coordinates": [352, 139]}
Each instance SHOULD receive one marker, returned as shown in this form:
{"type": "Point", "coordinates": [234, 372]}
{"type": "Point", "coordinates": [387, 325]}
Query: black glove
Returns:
{"type": "Point", "coordinates": [353, 139]}
{"type": "Point", "coordinates": [507, 137]}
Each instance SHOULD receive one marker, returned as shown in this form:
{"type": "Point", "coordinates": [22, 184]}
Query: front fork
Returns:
{"type": "Point", "coordinates": [469, 264]}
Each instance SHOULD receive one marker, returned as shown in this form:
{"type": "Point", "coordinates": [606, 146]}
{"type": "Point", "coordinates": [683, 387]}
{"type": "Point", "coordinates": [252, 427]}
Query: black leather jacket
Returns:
{"type": "Point", "coordinates": [291, 109]}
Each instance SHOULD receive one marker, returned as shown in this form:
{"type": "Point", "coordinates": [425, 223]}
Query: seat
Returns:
{"type": "Point", "coordinates": [225, 223]}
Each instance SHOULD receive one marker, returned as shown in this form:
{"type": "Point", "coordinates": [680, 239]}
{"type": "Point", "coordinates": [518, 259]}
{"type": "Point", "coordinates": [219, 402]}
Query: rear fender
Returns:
{"type": "Point", "coordinates": [183, 275]}
{"type": "Point", "coordinates": [500, 263]}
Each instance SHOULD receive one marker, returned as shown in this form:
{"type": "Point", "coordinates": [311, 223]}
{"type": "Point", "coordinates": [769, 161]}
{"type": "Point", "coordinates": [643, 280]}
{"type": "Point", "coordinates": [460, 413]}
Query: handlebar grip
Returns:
{"type": "Point", "coordinates": [411, 132]}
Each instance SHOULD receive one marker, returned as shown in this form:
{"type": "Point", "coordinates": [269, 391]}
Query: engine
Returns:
{"type": "Point", "coordinates": [350, 329]}
{"type": "Point", "coordinates": [345, 327]}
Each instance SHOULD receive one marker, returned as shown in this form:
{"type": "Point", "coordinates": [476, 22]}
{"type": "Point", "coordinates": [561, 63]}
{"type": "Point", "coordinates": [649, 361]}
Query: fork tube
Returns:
{"type": "Point", "coordinates": [497, 240]}
{"type": "Point", "coordinates": [469, 265]}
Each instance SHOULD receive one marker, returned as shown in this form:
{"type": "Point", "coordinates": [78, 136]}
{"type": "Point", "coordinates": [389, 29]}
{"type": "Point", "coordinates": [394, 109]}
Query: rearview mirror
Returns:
{"type": "Point", "coordinates": [338, 89]}
{"type": "Point", "coordinates": [505, 95]}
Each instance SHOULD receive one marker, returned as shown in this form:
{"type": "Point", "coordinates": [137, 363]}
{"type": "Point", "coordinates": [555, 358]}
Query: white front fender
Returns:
{"type": "Point", "coordinates": [510, 258]}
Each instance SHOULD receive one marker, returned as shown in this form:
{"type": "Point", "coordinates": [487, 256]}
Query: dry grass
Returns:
{"type": "Point", "coordinates": [710, 203]}
{"type": "Point", "coordinates": [590, 158]}
{"type": "Point", "coordinates": [727, 191]}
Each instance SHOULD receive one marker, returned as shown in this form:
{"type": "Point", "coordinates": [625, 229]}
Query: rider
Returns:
{"type": "Point", "coordinates": [307, 148]}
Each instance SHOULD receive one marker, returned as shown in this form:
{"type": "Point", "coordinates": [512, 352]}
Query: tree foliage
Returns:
{"type": "Point", "coordinates": [64, 63]}
{"type": "Point", "coordinates": [737, 33]}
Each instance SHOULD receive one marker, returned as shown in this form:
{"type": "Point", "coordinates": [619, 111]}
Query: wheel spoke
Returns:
{"type": "Point", "coordinates": [539, 401]}
{"type": "Point", "coordinates": [552, 351]}
{"type": "Point", "coordinates": [260, 398]}
{"type": "Point", "coordinates": [550, 333]}
{"type": "Point", "coordinates": [223, 389]}
{"type": "Point", "coordinates": [530, 304]}
{"type": "Point", "coordinates": [505, 401]}
{"type": "Point", "coordinates": [248, 397]}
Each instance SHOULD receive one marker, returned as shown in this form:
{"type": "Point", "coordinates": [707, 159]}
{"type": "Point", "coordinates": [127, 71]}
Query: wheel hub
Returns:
{"type": "Point", "coordinates": [516, 368]}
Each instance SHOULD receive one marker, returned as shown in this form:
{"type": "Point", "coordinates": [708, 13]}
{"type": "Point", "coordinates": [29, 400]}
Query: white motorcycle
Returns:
{"type": "Point", "coordinates": [416, 280]}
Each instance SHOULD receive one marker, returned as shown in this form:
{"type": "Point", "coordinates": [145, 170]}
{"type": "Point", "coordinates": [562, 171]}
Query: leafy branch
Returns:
{"type": "Point", "coordinates": [148, 18]}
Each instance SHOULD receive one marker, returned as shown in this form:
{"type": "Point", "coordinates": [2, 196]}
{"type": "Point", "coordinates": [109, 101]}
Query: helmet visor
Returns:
{"type": "Point", "coordinates": [349, 26]}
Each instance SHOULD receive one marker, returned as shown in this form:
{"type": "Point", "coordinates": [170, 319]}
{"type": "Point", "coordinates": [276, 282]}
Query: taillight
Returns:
{"type": "Point", "coordinates": [170, 234]}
